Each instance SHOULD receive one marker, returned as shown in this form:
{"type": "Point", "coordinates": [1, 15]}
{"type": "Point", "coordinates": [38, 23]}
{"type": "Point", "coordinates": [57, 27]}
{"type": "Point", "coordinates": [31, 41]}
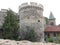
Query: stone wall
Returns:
{"type": "Point", "coordinates": [31, 15]}
{"type": "Point", "coordinates": [24, 42]}
{"type": "Point", "coordinates": [3, 13]}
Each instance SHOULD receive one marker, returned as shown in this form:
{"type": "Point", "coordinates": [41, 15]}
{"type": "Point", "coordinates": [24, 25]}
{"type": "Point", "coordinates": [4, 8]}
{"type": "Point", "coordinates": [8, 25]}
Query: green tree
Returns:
{"type": "Point", "coordinates": [10, 26]}
{"type": "Point", "coordinates": [46, 19]}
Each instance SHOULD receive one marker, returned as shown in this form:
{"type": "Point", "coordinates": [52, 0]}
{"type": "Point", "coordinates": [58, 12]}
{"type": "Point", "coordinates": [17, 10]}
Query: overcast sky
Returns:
{"type": "Point", "coordinates": [49, 5]}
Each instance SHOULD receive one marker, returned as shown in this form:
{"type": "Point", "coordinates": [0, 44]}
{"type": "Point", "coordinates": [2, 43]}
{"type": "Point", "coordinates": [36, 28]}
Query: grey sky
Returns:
{"type": "Point", "coordinates": [49, 5]}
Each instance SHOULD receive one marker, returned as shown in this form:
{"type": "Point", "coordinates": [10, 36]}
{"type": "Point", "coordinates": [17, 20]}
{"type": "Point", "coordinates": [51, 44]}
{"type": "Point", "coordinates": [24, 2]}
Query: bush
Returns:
{"type": "Point", "coordinates": [51, 39]}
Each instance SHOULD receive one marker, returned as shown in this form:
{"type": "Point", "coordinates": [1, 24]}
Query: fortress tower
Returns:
{"type": "Point", "coordinates": [31, 16]}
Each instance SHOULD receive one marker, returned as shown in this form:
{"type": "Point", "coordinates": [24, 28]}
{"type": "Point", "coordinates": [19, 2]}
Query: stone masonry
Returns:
{"type": "Point", "coordinates": [23, 42]}
{"type": "Point", "coordinates": [31, 15]}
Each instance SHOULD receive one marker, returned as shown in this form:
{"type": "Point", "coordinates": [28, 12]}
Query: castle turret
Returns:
{"type": "Point", "coordinates": [52, 21]}
{"type": "Point", "coordinates": [31, 15]}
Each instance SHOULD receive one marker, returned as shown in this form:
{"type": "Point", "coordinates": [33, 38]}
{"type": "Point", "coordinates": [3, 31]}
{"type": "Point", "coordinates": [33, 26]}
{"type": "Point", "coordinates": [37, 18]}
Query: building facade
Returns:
{"type": "Point", "coordinates": [52, 30]}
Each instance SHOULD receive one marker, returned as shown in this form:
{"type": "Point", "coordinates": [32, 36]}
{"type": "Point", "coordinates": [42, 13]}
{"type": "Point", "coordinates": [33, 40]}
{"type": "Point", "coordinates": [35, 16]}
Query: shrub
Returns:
{"type": "Point", "coordinates": [51, 39]}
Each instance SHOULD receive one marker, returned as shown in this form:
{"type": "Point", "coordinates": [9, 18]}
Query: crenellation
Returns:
{"type": "Point", "coordinates": [32, 5]}
{"type": "Point", "coordinates": [3, 10]}
{"type": "Point", "coordinates": [40, 5]}
{"type": "Point", "coordinates": [25, 3]}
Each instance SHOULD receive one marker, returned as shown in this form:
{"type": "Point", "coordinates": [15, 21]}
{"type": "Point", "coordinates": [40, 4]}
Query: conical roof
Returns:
{"type": "Point", "coordinates": [51, 16]}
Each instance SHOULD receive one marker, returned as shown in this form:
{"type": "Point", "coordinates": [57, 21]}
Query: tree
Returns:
{"type": "Point", "coordinates": [46, 19]}
{"type": "Point", "coordinates": [10, 26]}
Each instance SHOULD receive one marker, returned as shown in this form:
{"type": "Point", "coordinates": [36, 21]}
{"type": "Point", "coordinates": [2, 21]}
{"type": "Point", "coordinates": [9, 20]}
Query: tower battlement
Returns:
{"type": "Point", "coordinates": [33, 4]}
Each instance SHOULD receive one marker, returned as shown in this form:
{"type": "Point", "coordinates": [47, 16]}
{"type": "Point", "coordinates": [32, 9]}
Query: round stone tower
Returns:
{"type": "Point", "coordinates": [31, 17]}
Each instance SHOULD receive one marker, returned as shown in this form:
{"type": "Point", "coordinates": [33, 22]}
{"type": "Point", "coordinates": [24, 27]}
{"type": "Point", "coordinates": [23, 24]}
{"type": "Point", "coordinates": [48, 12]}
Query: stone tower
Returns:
{"type": "Point", "coordinates": [3, 13]}
{"type": "Point", "coordinates": [52, 21]}
{"type": "Point", "coordinates": [31, 16]}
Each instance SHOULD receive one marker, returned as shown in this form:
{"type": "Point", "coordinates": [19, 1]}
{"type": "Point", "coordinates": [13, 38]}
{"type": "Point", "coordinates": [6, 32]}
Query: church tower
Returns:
{"type": "Point", "coordinates": [52, 21]}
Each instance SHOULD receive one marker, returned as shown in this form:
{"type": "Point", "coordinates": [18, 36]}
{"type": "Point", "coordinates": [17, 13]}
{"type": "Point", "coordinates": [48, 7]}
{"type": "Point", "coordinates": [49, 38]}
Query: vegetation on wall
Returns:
{"type": "Point", "coordinates": [28, 34]}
